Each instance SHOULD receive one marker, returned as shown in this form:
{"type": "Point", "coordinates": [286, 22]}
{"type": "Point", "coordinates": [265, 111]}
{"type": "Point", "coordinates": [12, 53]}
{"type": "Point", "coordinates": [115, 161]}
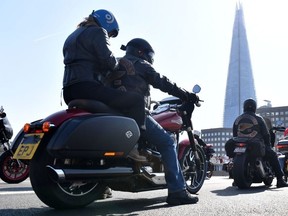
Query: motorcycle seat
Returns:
{"type": "Point", "coordinates": [92, 106]}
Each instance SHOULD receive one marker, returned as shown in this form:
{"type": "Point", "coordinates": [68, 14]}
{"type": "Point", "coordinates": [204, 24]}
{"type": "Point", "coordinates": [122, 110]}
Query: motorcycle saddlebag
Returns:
{"type": "Point", "coordinates": [91, 136]}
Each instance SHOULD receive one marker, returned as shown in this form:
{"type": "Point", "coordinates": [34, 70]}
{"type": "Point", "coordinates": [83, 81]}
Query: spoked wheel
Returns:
{"type": "Point", "coordinates": [12, 171]}
{"type": "Point", "coordinates": [241, 172]}
{"type": "Point", "coordinates": [194, 171]}
{"type": "Point", "coordinates": [64, 195]}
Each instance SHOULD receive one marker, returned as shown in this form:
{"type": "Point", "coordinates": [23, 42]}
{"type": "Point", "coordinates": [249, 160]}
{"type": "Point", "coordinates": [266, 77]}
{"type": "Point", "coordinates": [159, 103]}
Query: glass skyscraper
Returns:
{"type": "Point", "coordinates": [240, 81]}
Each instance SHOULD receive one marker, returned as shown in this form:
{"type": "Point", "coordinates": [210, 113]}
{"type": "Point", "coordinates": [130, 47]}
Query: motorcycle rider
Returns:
{"type": "Point", "coordinates": [87, 59]}
{"type": "Point", "coordinates": [251, 125]}
{"type": "Point", "coordinates": [140, 74]}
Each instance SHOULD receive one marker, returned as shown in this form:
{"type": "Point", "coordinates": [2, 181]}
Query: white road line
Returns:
{"type": "Point", "coordinates": [16, 192]}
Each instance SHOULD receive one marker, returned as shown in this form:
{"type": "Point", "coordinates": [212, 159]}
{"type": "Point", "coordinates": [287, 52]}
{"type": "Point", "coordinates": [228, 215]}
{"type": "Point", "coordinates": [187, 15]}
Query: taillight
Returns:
{"type": "Point", "coordinates": [241, 144]}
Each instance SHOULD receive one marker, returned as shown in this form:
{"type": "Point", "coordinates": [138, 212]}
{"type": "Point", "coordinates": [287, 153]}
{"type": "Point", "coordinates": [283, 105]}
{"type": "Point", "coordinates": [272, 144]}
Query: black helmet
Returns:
{"type": "Point", "coordinates": [249, 105]}
{"type": "Point", "coordinates": [106, 20]}
{"type": "Point", "coordinates": [140, 48]}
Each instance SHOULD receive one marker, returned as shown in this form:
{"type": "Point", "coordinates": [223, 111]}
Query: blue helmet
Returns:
{"type": "Point", "coordinates": [106, 20]}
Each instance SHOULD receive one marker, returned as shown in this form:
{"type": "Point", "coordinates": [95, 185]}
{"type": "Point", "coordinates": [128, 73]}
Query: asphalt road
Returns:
{"type": "Point", "coordinates": [217, 197]}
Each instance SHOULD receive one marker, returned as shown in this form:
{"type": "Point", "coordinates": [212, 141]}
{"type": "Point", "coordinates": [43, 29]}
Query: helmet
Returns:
{"type": "Point", "coordinates": [106, 20]}
{"type": "Point", "coordinates": [140, 48]}
{"type": "Point", "coordinates": [249, 105]}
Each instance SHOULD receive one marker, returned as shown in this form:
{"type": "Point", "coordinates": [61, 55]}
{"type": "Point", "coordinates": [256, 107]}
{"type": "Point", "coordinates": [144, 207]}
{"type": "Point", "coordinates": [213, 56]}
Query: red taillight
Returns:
{"type": "Point", "coordinates": [241, 144]}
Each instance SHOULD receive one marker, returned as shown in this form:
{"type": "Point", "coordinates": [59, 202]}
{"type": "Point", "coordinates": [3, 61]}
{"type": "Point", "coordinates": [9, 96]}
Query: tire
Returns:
{"type": "Point", "coordinates": [12, 171]}
{"type": "Point", "coordinates": [241, 172]}
{"type": "Point", "coordinates": [64, 195]}
{"type": "Point", "coordinates": [210, 169]}
{"type": "Point", "coordinates": [193, 175]}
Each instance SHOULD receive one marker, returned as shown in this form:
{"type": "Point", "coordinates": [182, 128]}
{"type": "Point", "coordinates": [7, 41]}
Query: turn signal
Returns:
{"type": "Point", "coordinates": [46, 126]}
{"type": "Point", "coordinates": [112, 154]}
{"type": "Point", "coordinates": [26, 128]}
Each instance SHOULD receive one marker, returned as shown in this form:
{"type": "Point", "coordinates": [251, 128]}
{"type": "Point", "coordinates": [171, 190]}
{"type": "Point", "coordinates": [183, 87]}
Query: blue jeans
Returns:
{"type": "Point", "coordinates": [157, 136]}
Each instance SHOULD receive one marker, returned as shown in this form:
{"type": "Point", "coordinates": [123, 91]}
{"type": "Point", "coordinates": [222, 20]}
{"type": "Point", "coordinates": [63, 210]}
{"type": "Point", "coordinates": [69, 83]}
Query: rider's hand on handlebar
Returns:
{"type": "Point", "coordinates": [193, 97]}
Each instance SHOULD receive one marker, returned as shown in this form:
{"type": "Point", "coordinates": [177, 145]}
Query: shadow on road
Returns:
{"type": "Point", "coordinates": [234, 191]}
{"type": "Point", "coordinates": [107, 207]}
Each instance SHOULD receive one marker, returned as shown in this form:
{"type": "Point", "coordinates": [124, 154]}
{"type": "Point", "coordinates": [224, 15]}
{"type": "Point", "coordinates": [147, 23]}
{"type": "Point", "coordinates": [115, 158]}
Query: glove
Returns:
{"type": "Point", "coordinates": [192, 97]}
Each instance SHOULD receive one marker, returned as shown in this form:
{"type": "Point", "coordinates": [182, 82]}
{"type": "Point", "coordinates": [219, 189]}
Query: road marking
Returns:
{"type": "Point", "coordinates": [16, 192]}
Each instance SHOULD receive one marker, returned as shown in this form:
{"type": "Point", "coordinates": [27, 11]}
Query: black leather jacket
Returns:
{"type": "Point", "coordinates": [251, 126]}
{"type": "Point", "coordinates": [87, 55]}
{"type": "Point", "coordinates": [140, 75]}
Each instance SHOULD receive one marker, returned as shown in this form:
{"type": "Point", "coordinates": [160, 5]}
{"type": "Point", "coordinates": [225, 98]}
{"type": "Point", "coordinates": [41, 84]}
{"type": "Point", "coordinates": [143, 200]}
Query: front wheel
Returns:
{"type": "Point", "coordinates": [12, 171]}
{"type": "Point", "coordinates": [194, 171]}
{"type": "Point", "coordinates": [64, 195]}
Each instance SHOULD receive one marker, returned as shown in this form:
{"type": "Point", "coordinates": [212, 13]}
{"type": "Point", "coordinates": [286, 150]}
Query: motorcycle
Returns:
{"type": "Point", "coordinates": [74, 154]}
{"type": "Point", "coordinates": [12, 171]}
{"type": "Point", "coordinates": [251, 165]}
{"type": "Point", "coordinates": [282, 147]}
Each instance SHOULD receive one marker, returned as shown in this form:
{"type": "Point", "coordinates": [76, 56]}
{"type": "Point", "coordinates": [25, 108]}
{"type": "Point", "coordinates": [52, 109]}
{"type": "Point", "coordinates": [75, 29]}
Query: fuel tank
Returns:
{"type": "Point", "coordinates": [94, 135]}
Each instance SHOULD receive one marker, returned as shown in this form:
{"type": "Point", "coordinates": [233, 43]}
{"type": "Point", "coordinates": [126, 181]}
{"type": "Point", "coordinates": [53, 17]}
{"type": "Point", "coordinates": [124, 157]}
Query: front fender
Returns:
{"type": "Point", "coordinates": [183, 144]}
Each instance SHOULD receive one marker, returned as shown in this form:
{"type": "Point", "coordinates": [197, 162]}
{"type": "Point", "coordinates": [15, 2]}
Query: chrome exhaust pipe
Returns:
{"type": "Point", "coordinates": [60, 175]}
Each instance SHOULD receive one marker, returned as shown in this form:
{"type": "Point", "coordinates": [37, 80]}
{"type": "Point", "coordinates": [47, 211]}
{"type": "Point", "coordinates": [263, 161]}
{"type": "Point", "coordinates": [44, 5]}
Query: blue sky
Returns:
{"type": "Point", "coordinates": [191, 38]}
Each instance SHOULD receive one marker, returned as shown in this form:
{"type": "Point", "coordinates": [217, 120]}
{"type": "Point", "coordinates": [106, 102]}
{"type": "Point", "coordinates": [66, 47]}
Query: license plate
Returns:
{"type": "Point", "coordinates": [28, 146]}
{"type": "Point", "coordinates": [240, 149]}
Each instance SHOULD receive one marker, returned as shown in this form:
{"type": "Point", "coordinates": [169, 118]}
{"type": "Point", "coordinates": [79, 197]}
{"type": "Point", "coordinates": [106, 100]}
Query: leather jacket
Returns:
{"type": "Point", "coordinates": [251, 126]}
{"type": "Point", "coordinates": [140, 75]}
{"type": "Point", "coordinates": [87, 55]}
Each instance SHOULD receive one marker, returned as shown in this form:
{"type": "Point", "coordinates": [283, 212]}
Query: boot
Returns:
{"type": "Point", "coordinates": [180, 198]}
{"type": "Point", "coordinates": [134, 154]}
{"type": "Point", "coordinates": [107, 193]}
{"type": "Point", "coordinates": [281, 183]}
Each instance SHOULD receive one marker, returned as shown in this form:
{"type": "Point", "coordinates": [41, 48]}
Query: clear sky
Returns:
{"type": "Point", "coordinates": [191, 38]}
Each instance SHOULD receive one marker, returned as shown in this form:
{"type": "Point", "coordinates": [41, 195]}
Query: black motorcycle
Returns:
{"type": "Point", "coordinates": [249, 163]}
{"type": "Point", "coordinates": [12, 171]}
{"type": "Point", "coordinates": [282, 147]}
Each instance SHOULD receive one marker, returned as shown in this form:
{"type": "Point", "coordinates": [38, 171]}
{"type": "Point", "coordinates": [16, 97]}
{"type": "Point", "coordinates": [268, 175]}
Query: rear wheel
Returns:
{"type": "Point", "coordinates": [241, 171]}
{"type": "Point", "coordinates": [194, 171]}
{"type": "Point", "coordinates": [64, 195]}
{"type": "Point", "coordinates": [12, 171]}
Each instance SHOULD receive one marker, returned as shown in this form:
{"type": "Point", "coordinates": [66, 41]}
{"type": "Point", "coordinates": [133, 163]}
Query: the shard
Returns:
{"type": "Point", "coordinates": [240, 82]}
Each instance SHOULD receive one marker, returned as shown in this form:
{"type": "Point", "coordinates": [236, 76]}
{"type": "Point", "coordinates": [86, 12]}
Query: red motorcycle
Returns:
{"type": "Point", "coordinates": [12, 171]}
{"type": "Point", "coordinates": [74, 154]}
